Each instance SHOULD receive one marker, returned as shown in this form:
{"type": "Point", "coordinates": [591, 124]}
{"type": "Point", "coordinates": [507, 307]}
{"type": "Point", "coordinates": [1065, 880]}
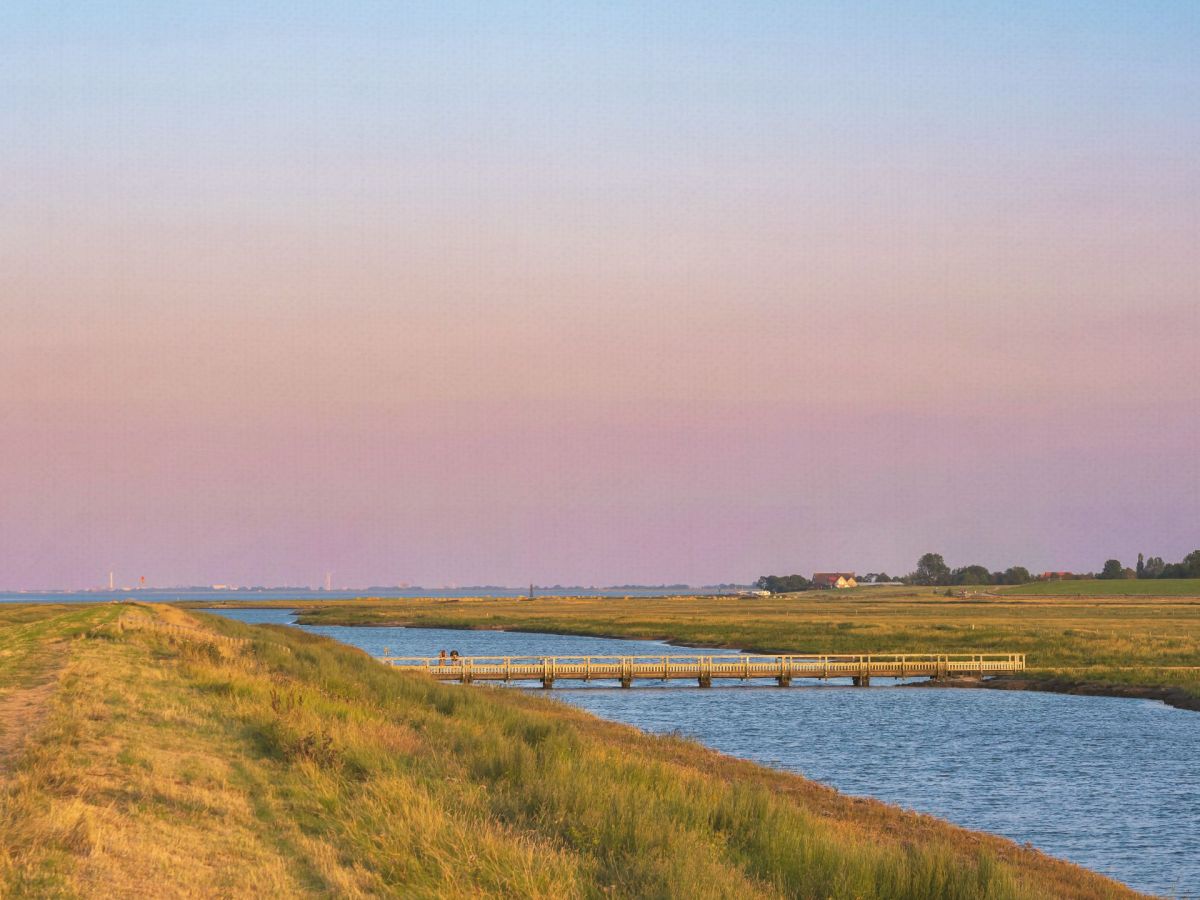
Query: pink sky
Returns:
{"type": "Point", "coordinates": [512, 320]}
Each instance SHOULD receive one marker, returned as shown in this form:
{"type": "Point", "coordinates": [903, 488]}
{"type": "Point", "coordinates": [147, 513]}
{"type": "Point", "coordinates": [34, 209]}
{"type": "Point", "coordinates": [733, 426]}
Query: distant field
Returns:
{"type": "Point", "coordinates": [1150, 587]}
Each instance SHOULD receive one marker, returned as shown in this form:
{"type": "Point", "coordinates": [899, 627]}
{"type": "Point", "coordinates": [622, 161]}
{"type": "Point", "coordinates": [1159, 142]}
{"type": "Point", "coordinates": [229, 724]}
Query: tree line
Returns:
{"type": "Point", "coordinates": [1154, 567]}
{"type": "Point", "coordinates": [932, 570]}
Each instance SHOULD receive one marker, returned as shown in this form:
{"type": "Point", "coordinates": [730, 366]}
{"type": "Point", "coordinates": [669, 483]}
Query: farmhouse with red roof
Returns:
{"type": "Point", "coordinates": [833, 580]}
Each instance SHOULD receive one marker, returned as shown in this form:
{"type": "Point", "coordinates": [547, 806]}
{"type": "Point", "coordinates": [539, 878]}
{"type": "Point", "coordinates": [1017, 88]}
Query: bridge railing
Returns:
{"type": "Point", "coordinates": [952, 662]}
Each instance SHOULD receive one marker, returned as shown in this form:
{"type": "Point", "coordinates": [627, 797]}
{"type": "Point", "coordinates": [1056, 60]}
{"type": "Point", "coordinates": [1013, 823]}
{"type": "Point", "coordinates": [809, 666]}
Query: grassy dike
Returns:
{"type": "Point", "coordinates": [1122, 646]}
{"type": "Point", "coordinates": [161, 753]}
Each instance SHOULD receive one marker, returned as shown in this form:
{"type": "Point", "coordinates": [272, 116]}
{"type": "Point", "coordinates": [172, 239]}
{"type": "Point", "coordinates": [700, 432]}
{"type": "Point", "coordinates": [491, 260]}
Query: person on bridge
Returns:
{"type": "Point", "coordinates": [441, 657]}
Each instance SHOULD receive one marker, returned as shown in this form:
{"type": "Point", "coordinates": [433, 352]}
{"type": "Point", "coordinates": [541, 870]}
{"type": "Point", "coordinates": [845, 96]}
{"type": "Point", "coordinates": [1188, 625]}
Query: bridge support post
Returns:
{"type": "Point", "coordinates": [626, 681]}
{"type": "Point", "coordinates": [547, 683]}
{"type": "Point", "coordinates": [705, 681]}
{"type": "Point", "coordinates": [784, 680]}
{"type": "Point", "coordinates": [861, 680]}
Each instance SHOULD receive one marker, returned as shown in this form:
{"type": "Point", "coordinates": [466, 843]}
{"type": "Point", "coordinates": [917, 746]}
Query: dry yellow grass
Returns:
{"type": "Point", "coordinates": [287, 765]}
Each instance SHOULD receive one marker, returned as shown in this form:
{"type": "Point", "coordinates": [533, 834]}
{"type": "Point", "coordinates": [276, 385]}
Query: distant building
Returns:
{"type": "Point", "coordinates": [833, 580]}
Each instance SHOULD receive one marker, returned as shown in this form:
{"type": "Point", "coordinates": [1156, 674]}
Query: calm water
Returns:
{"type": "Point", "coordinates": [1108, 783]}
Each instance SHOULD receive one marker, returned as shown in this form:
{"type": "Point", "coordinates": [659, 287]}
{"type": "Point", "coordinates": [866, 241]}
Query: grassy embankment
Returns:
{"type": "Point", "coordinates": [227, 760]}
{"type": "Point", "coordinates": [1143, 646]}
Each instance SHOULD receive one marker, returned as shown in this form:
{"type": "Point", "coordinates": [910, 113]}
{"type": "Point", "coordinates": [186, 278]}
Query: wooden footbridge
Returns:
{"type": "Point", "coordinates": [704, 669]}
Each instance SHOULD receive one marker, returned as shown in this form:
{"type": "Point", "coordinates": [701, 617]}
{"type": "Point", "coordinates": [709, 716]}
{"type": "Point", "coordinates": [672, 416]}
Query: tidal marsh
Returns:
{"type": "Point", "coordinates": [1099, 643]}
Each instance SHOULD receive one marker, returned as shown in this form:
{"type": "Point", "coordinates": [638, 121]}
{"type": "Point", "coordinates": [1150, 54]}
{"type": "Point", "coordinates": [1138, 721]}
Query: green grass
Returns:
{"type": "Point", "coordinates": [1147, 587]}
{"type": "Point", "coordinates": [290, 765]}
{"type": "Point", "coordinates": [31, 637]}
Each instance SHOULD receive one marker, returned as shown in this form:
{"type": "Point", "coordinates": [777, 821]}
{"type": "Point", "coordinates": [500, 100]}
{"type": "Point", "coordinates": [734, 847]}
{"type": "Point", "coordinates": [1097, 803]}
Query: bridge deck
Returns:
{"type": "Point", "coordinates": [703, 669]}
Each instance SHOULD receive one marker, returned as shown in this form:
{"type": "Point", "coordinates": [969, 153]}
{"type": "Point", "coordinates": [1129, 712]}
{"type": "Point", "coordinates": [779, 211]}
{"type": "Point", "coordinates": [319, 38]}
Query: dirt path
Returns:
{"type": "Point", "coordinates": [23, 708]}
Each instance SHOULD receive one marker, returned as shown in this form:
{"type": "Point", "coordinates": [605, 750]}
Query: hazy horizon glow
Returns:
{"type": "Point", "coordinates": [603, 293]}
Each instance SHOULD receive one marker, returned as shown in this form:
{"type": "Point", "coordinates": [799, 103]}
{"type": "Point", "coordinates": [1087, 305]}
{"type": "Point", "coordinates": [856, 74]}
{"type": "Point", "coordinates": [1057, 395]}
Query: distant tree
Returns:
{"type": "Point", "coordinates": [782, 584]}
{"type": "Point", "coordinates": [971, 575]}
{"type": "Point", "coordinates": [1191, 564]}
{"type": "Point", "coordinates": [1141, 567]}
{"type": "Point", "coordinates": [1016, 575]}
{"type": "Point", "coordinates": [931, 569]}
{"type": "Point", "coordinates": [1112, 569]}
{"type": "Point", "coordinates": [874, 578]}
{"type": "Point", "coordinates": [1188, 568]}
{"type": "Point", "coordinates": [794, 583]}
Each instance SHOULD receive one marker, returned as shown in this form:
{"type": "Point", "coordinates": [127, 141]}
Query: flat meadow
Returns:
{"type": "Point", "coordinates": [1118, 587]}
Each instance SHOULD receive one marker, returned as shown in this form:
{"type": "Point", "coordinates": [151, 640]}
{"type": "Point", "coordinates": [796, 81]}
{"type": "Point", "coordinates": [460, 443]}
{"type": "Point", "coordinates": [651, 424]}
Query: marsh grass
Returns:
{"type": "Point", "coordinates": [1121, 641]}
{"type": "Point", "coordinates": [292, 765]}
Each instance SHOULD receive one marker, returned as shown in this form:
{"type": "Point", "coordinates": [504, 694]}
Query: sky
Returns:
{"type": "Point", "coordinates": [593, 293]}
